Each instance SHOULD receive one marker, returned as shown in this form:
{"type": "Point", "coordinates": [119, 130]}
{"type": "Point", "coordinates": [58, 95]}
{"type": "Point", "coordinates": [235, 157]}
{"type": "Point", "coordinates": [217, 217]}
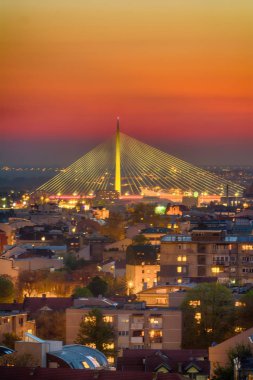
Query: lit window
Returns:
{"type": "Point", "coordinates": [238, 329]}
{"type": "Point", "coordinates": [179, 269]}
{"type": "Point", "coordinates": [239, 304]}
{"type": "Point", "coordinates": [89, 319]}
{"type": "Point", "coordinates": [108, 346]}
{"type": "Point", "coordinates": [108, 318]}
{"type": "Point", "coordinates": [194, 303]}
{"type": "Point", "coordinates": [215, 270]}
{"type": "Point", "coordinates": [197, 317]}
{"type": "Point", "coordinates": [179, 280]}
{"type": "Point", "coordinates": [110, 359]}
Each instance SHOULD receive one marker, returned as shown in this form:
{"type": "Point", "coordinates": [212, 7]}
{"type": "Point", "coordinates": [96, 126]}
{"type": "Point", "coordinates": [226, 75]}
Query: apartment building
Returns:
{"type": "Point", "coordinates": [135, 325]}
{"type": "Point", "coordinates": [206, 254]}
{"type": "Point", "coordinates": [15, 322]}
{"type": "Point", "coordinates": [142, 266]}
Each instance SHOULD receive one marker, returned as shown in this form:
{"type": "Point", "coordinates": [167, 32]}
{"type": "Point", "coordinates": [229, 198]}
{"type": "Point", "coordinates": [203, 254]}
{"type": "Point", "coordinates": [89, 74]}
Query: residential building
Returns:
{"type": "Point", "coordinates": [135, 325]}
{"type": "Point", "coordinates": [142, 266]}
{"type": "Point", "coordinates": [52, 354]}
{"type": "Point", "coordinates": [3, 240]}
{"type": "Point", "coordinates": [34, 305]}
{"type": "Point", "coordinates": [163, 296]}
{"type": "Point", "coordinates": [154, 234]}
{"type": "Point", "coordinates": [100, 212]}
{"type": "Point", "coordinates": [193, 364]}
{"type": "Point", "coordinates": [7, 267]}
{"type": "Point", "coordinates": [15, 322]}
{"type": "Point", "coordinates": [218, 354]}
{"type": "Point", "coordinates": [206, 254]}
{"type": "Point", "coordinates": [176, 209]}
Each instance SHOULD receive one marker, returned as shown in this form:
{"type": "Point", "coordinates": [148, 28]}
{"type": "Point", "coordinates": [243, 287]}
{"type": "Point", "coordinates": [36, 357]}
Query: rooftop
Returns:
{"type": "Point", "coordinates": [79, 357]}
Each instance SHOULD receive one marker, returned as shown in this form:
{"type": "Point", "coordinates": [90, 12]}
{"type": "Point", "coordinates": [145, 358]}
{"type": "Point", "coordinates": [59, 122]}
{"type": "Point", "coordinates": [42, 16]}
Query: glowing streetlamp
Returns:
{"type": "Point", "coordinates": [130, 286]}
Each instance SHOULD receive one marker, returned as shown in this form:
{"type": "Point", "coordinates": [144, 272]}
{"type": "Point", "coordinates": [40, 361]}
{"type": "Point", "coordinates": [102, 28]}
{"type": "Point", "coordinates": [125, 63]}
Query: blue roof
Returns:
{"type": "Point", "coordinates": [5, 350]}
{"type": "Point", "coordinates": [226, 239]}
{"type": "Point", "coordinates": [239, 238]}
{"type": "Point", "coordinates": [80, 357]}
{"type": "Point", "coordinates": [173, 238]}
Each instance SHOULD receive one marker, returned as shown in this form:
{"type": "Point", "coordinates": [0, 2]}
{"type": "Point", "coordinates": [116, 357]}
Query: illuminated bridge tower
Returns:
{"type": "Point", "coordinates": [117, 161]}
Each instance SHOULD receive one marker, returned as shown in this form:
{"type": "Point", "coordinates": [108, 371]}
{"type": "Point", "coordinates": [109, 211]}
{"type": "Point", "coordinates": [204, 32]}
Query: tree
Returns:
{"type": "Point", "coordinates": [6, 289]}
{"type": "Point", "coordinates": [50, 325]}
{"type": "Point", "coordinates": [244, 312]}
{"type": "Point", "coordinates": [94, 330]}
{"type": "Point", "coordinates": [208, 315]}
{"type": "Point", "coordinates": [82, 292]}
{"type": "Point", "coordinates": [145, 213]}
{"type": "Point", "coordinates": [31, 282]}
{"type": "Point", "coordinates": [18, 360]}
{"type": "Point", "coordinates": [97, 286]}
{"type": "Point", "coordinates": [114, 227]}
{"type": "Point", "coordinates": [116, 286]}
{"type": "Point", "coordinates": [9, 340]}
{"type": "Point", "coordinates": [140, 240]}
{"type": "Point", "coordinates": [37, 282]}
{"type": "Point", "coordinates": [70, 262]}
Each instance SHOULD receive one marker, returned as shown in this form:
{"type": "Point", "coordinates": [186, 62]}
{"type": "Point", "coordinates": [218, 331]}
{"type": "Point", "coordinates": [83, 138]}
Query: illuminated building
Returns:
{"type": "Point", "coordinates": [135, 325]}
{"type": "Point", "coordinates": [206, 254]}
{"type": "Point", "coordinates": [128, 166]}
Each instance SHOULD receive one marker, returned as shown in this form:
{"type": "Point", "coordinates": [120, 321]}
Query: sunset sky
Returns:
{"type": "Point", "coordinates": [179, 73]}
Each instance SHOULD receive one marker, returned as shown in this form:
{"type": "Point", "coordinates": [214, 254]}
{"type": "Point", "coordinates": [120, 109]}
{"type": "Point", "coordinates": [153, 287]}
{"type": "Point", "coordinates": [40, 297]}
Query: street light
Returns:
{"type": "Point", "coordinates": [130, 286]}
{"type": "Point", "coordinates": [237, 367]}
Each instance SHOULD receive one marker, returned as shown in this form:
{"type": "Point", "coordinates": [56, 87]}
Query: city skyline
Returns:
{"type": "Point", "coordinates": [179, 74]}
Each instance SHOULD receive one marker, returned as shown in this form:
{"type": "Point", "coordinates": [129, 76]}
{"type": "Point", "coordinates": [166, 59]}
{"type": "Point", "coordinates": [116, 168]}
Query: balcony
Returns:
{"type": "Point", "coordinates": [156, 340]}
{"type": "Point", "coordinates": [221, 263]}
{"type": "Point", "coordinates": [137, 339]}
{"type": "Point", "coordinates": [155, 325]}
{"type": "Point", "coordinates": [137, 326]}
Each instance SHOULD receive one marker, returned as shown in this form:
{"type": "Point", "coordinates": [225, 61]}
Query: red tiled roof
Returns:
{"type": "Point", "coordinates": [14, 373]}
{"type": "Point", "coordinates": [180, 355]}
{"type": "Point", "coordinates": [150, 360]}
{"type": "Point", "coordinates": [33, 304]}
{"type": "Point", "coordinates": [11, 306]}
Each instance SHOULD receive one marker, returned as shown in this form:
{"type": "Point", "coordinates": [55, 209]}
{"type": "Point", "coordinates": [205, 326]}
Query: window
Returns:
{"type": "Point", "coordinates": [194, 303]}
{"type": "Point", "coordinates": [123, 333]}
{"type": "Point", "coordinates": [123, 320]}
{"type": "Point", "coordinates": [108, 346]}
{"type": "Point", "coordinates": [179, 269]}
{"type": "Point", "coordinates": [197, 317]}
{"type": "Point", "coordinates": [182, 258]}
{"type": "Point", "coordinates": [108, 318]}
{"type": "Point", "coordinates": [161, 301]}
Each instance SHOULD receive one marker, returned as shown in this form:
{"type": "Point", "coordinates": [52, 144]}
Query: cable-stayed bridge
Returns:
{"type": "Point", "coordinates": [128, 166]}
